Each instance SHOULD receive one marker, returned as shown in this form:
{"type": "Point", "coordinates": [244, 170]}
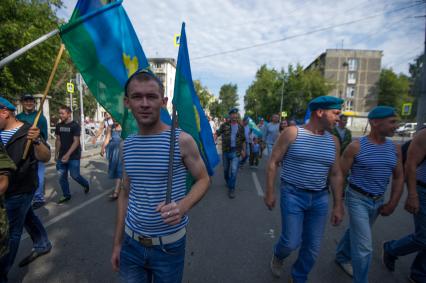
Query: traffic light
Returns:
{"type": "Point", "coordinates": [67, 101]}
{"type": "Point", "coordinates": [74, 103]}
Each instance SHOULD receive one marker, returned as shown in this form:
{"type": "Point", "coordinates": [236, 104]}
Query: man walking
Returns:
{"type": "Point", "coordinates": [343, 134]}
{"type": "Point", "coordinates": [22, 184]}
{"type": "Point", "coordinates": [272, 131]}
{"type": "Point", "coordinates": [28, 115]}
{"type": "Point", "coordinates": [68, 153]}
{"type": "Point", "coordinates": [150, 235]}
{"type": "Point", "coordinates": [311, 157]}
{"type": "Point", "coordinates": [372, 160]}
{"type": "Point", "coordinates": [415, 170]}
{"type": "Point", "coordinates": [233, 147]}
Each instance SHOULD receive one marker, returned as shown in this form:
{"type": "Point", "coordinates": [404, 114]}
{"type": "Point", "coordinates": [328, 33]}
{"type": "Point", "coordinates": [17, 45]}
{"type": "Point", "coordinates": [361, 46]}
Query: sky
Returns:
{"type": "Point", "coordinates": [228, 40]}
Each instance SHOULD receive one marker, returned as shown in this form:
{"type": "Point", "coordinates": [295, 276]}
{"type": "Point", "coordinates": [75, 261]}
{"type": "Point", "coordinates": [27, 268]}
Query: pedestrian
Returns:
{"type": "Point", "coordinates": [233, 148]}
{"type": "Point", "coordinates": [372, 161]}
{"type": "Point", "coordinates": [7, 166]}
{"type": "Point", "coordinates": [28, 115]}
{"type": "Point", "coordinates": [283, 125]}
{"type": "Point", "coordinates": [254, 153]}
{"type": "Point", "coordinates": [111, 148]}
{"type": "Point", "coordinates": [309, 156]}
{"type": "Point", "coordinates": [343, 134]}
{"type": "Point", "coordinates": [248, 143]}
{"type": "Point", "coordinates": [271, 133]}
{"type": "Point", "coordinates": [262, 127]}
{"type": "Point", "coordinates": [150, 236]}
{"type": "Point", "coordinates": [22, 185]}
{"type": "Point", "coordinates": [68, 153]}
{"type": "Point", "coordinates": [415, 170]}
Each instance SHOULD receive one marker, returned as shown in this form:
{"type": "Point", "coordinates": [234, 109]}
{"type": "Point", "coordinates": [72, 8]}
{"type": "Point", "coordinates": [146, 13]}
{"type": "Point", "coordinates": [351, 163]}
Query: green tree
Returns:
{"type": "Point", "coordinates": [203, 94]}
{"type": "Point", "coordinates": [393, 89]}
{"type": "Point", "coordinates": [415, 70]}
{"type": "Point", "coordinates": [216, 109]}
{"type": "Point", "coordinates": [228, 96]}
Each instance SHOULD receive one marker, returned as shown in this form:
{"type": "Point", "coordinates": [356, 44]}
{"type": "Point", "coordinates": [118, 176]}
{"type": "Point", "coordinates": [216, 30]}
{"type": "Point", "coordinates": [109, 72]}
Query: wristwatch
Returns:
{"type": "Point", "coordinates": [37, 141]}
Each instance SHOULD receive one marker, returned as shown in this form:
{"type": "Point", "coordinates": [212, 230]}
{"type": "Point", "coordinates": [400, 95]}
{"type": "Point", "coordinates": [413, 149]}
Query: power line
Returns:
{"type": "Point", "coordinates": [303, 34]}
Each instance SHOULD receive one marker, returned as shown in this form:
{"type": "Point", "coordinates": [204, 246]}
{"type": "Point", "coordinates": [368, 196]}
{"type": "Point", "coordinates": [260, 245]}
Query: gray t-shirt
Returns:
{"type": "Point", "coordinates": [271, 133]}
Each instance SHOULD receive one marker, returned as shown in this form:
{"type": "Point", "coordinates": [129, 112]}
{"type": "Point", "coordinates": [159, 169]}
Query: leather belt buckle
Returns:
{"type": "Point", "coordinates": [146, 242]}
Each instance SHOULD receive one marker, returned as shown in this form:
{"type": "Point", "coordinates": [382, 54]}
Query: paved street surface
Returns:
{"type": "Point", "coordinates": [228, 240]}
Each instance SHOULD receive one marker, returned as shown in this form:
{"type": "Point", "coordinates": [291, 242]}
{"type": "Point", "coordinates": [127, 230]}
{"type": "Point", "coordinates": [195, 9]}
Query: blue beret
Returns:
{"type": "Point", "coordinates": [233, 110]}
{"type": "Point", "coordinates": [381, 112]}
{"type": "Point", "coordinates": [325, 103]}
{"type": "Point", "coordinates": [4, 103]}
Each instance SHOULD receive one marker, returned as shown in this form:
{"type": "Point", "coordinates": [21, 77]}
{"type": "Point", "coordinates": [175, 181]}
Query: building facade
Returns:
{"type": "Point", "coordinates": [355, 74]}
{"type": "Point", "coordinates": [165, 69]}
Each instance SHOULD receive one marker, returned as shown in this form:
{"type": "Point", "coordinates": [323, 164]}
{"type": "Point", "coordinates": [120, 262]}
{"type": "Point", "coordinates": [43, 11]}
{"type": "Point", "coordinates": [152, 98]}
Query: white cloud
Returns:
{"type": "Point", "coordinates": [222, 25]}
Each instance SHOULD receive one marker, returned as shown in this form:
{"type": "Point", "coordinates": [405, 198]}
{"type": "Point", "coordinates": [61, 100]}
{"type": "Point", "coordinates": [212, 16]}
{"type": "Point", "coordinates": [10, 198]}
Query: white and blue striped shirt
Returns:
{"type": "Point", "coordinates": [373, 166]}
{"type": "Point", "coordinates": [308, 160]}
{"type": "Point", "coordinates": [146, 159]}
{"type": "Point", "coordinates": [7, 134]}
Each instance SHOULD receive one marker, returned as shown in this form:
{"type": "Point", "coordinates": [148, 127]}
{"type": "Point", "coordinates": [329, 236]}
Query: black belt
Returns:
{"type": "Point", "coordinates": [421, 184]}
{"type": "Point", "coordinates": [364, 193]}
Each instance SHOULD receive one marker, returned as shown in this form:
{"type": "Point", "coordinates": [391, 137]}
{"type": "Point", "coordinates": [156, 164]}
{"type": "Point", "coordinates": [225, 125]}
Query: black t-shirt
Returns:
{"type": "Point", "coordinates": [66, 133]}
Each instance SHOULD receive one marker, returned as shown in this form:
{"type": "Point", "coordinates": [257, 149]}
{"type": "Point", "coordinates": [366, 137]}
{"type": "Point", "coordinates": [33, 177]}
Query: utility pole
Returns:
{"type": "Point", "coordinates": [421, 102]}
{"type": "Point", "coordinates": [282, 97]}
{"type": "Point", "coordinates": [79, 81]}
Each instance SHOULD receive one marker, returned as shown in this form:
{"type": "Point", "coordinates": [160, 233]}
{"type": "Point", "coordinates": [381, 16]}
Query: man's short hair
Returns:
{"type": "Point", "coordinates": [144, 75]}
{"type": "Point", "coordinates": [66, 108]}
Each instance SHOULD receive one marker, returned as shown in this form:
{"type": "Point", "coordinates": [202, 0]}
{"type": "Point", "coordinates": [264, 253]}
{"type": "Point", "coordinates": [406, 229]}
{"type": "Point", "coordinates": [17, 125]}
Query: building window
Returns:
{"type": "Point", "coordinates": [349, 105]}
{"type": "Point", "coordinates": [351, 78]}
{"type": "Point", "coordinates": [350, 91]}
{"type": "Point", "coordinates": [352, 64]}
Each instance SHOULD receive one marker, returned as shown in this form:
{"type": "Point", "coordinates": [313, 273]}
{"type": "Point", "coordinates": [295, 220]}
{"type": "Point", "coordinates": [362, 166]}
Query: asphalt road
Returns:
{"type": "Point", "coordinates": [228, 240]}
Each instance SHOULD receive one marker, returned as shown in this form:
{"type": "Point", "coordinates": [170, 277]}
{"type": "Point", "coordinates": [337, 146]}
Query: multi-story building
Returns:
{"type": "Point", "coordinates": [354, 73]}
{"type": "Point", "coordinates": [165, 69]}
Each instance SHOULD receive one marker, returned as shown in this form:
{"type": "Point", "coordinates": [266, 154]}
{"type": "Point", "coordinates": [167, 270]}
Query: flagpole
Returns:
{"type": "Point", "coordinates": [171, 157]}
{"type": "Point", "coordinates": [27, 47]}
{"type": "Point", "coordinates": [49, 82]}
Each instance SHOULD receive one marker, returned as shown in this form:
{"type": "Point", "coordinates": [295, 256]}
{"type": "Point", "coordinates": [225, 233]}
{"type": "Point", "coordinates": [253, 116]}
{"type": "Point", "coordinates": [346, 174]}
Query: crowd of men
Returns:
{"type": "Point", "coordinates": [150, 232]}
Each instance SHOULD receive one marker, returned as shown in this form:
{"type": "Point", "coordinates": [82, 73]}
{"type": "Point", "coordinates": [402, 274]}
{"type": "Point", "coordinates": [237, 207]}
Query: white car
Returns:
{"type": "Point", "coordinates": [407, 129]}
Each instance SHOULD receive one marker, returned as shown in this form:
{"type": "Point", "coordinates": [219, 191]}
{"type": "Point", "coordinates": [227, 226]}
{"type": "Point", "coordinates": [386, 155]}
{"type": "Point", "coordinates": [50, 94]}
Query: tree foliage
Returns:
{"type": "Point", "coordinates": [393, 89]}
{"type": "Point", "coordinates": [295, 86]}
{"type": "Point", "coordinates": [228, 97]}
{"type": "Point", "coordinates": [203, 94]}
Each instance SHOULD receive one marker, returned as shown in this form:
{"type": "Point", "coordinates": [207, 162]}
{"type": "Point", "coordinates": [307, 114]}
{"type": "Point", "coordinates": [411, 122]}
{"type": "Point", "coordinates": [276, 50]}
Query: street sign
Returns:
{"type": "Point", "coordinates": [406, 109]}
{"type": "Point", "coordinates": [70, 87]}
{"type": "Point", "coordinates": [176, 40]}
{"type": "Point", "coordinates": [284, 114]}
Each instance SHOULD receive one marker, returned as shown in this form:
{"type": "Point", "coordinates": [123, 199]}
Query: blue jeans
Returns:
{"type": "Point", "coordinates": [356, 245]}
{"type": "Point", "coordinates": [303, 219]}
{"type": "Point", "coordinates": [269, 147]}
{"type": "Point", "coordinates": [243, 160]}
{"type": "Point", "coordinates": [74, 167]}
{"type": "Point", "coordinates": [230, 168]}
{"type": "Point", "coordinates": [415, 242]}
{"type": "Point", "coordinates": [39, 193]}
{"type": "Point", "coordinates": [163, 264]}
{"type": "Point", "coordinates": [20, 215]}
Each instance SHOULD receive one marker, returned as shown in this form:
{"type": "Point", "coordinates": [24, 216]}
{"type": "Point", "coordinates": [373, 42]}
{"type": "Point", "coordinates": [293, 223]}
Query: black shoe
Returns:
{"type": "Point", "coordinates": [63, 199]}
{"type": "Point", "coordinates": [32, 256]}
{"type": "Point", "coordinates": [231, 194]}
{"type": "Point", "coordinates": [388, 259]}
{"type": "Point", "coordinates": [38, 204]}
{"type": "Point", "coordinates": [86, 189]}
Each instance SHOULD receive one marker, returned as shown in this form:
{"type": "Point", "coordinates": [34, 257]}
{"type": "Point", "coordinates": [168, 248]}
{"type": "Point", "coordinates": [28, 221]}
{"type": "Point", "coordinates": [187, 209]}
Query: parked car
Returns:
{"type": "Point", "coordinates": [407, 129]}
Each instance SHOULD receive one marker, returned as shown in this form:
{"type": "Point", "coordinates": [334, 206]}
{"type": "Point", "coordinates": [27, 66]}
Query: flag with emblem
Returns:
{"type": "Point", "coordinates": [105, 49]}
{"type": "Point", "coordinates": [191, 116]}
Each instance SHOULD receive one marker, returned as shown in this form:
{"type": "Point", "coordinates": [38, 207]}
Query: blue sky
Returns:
{"type": "Point", "coordinates": [393, 26]}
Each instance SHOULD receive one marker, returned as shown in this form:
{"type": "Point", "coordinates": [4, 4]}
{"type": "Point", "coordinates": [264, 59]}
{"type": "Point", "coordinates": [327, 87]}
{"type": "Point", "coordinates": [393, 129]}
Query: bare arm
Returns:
{"type": "Point", "coordinates": [279, 150]}
{"type": "Point", "coordinates": [41, 150]}
{"type": "Point", "coordinates": [4, 183]}
{"type": "Point", "coordinates": [106, 141]}
{"type": "Point", "coordinates": [122, 202]}
{"type": "Point", "coordinates": [415, 155]}
{"type": "Point", "coordinates": [172, 213]}
{"type": "Point", "coordinates": [73, 147]}
{"type": "Point", "coordinates": [57, 146]}
{"type": "Point", "coordinates": [336, 182]}
{"type": "Point", "coordinates": [397, 186]}
{"type": "Point", "coordinates": [348, 157]}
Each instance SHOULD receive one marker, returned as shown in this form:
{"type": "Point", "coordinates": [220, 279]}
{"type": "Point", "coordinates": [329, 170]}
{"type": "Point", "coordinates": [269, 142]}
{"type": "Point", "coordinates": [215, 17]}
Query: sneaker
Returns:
{"type": "Point", "coordinates": [346, 267]}
{"type": "Point", "coordinates": [276, 266]}
{"type": "Point", "coordinates": [231, 194]}
{"type": "Point", "coordinates": [32, 256]}
{"type": "Point", "coordinates": [38, 204]}
{"type": "Point", "coordinates": [388, 259]}
{"type": "Point", "coordinates": [86, 189]}
{"type": "Point", "coordinates": [63, 199]}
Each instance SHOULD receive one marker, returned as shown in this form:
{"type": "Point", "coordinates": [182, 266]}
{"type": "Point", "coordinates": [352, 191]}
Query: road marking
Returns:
{"type": "Point", "coordinates": [257, 184]}
{"type": "Point", "coordinates": [69, 212]}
